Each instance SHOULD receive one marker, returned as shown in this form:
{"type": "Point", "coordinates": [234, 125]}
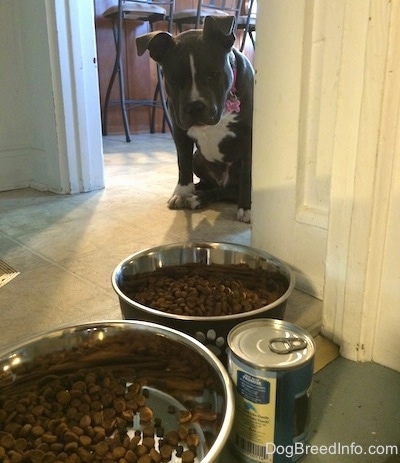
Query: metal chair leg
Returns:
{"type": "Point", "coordinates": [118, 68]}
{"type": "Point", "coordinates": [246, 30]}
{"type": "Point", "coordinates": [163, 97]}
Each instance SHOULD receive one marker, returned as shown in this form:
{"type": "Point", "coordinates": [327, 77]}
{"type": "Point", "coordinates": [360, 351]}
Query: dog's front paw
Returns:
{"type": "Point", "coordinates": [182, 197]}
{"type": "Point", "coordinates": [177, 202]}
{"type": "Point", "coordinates": [184, 202]}
{"type": "Point", "coordinates": [244, 215]}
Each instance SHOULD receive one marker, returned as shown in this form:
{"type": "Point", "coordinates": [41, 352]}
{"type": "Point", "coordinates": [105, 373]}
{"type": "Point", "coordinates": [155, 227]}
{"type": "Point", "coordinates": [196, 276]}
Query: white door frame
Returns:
{"type": "Point", "coordinates": [364, 137]}
{"type": "Point", "coordinates": [73, 57]}
{"type": "Point", "coordinates": [358, 214]}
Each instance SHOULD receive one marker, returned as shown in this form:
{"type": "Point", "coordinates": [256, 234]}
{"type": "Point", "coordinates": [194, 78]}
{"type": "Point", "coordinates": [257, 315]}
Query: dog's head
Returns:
{"type": "Point", "coordinates": [197, 71]}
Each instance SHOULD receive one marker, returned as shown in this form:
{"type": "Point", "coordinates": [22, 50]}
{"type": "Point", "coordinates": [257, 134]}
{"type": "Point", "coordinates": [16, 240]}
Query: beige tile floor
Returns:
{"type": "Point", "coordinates": [65, 247]}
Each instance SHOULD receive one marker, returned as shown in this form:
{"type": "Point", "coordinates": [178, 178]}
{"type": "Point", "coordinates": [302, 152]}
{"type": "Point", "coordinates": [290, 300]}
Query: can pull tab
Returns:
{"type": "Point", "coordinates": [286, 345]}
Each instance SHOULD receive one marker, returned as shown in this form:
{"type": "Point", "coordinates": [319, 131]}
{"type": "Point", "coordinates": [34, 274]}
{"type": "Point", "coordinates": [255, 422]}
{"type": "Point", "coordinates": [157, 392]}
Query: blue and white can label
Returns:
{"type": "Point", "coordinates": [271, 365]}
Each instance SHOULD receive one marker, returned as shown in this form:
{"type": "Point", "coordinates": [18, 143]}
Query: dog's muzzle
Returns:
{"type": "Point", "coordinates": [197, 112]}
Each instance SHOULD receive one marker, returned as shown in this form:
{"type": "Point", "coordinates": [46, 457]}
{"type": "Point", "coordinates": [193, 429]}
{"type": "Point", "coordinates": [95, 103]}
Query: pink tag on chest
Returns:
{"type": "Point", "coordinates": [232, 104]}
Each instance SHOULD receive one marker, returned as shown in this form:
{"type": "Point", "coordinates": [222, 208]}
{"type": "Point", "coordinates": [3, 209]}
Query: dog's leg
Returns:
{"type": "Point", "coordinates": [243, 215]}
{"type": "Point", "coordinates": [244, 199]}
{"type": "Point", "coordinates": [223, 182]}
{"type": "Point", "coordinates": [183, 195]}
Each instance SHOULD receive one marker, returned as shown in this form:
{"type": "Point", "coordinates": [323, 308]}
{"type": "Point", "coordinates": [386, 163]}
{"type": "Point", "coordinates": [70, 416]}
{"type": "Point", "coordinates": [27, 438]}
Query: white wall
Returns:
{"type": "Point", "coordinates": [15, 125]}
{"type": "Point", "coordinates": [50, 127]}
{"type": "Point", "coordinates": [290, 177]}
{"type": "Point", "coordinates": [40, 103]}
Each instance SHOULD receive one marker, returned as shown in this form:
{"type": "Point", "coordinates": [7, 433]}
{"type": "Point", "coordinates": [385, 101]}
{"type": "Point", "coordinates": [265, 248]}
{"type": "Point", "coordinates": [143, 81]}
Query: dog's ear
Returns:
{"type": "Point", "coordinates": [220, 28]}
{"type": "Point", "coordinates": [156, 42]}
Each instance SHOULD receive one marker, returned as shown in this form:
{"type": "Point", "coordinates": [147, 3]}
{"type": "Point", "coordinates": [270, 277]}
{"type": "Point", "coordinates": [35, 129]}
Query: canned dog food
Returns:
{"type": "Point", "coordinates": [271, 364]}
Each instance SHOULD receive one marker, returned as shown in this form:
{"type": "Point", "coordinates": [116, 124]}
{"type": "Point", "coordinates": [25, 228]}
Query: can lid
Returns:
{"type": "Point", "coordinates": [271, 344]}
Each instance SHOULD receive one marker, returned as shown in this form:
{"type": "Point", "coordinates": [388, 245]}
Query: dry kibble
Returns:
{"type": "Point", "coordinates": [85, 441]}
{"type": "Point", "coordinates": [14, 457]}
{"type": "Point", "coordinates": [84, 416]}
{"type": "Point", "coordinates": [85, 455]}
{"type": "Point", "coordinates": [141, 450]}
{"type": "Point", "coordinates": [148, 431]}
{"type": "Point", "coordinates": [101, 448]}
{"type": "Point", "coordinates": [70, 437]}
{"type": "Point", "coordinates": [166, 452]}
{"type": "Point", "coordinates": [127, 415]}
{"type": "Point", "coordinates": [63, 397]}
{"type": "Point", "coordinates": [118, 452]}
{"type": "Point", "coordinates": [36, 456]}
{"type": "Point", "coordinates": [38, 410]}
{"type": "Point", "coordinates": [9, 406]}
{"type": "Point", "coordinates": [145, 459]}
{"type": "Point", "coordinates": [179, 451]}
{"type": "Point", "coordinates": [149, 442]}
{"type": "Point", "coordinates": [7, 441]}
{"type": "Point", "coordinates": [185, 416]}
{"type": "Point", "coordinates": [13, 428]}
{"type": "Point", "coordinates": [20, 444]}
{"type": "Point", "coordinates": [130, 457]}
{"type": "Point", "coordinates": [140, 399]}
{"type": "Point", "coordinates": [134, 442]}
{"type": "Point", "coordinates": [172, 437]}
{"type": "Point", "coordinates": [73, 458]}
{"type": "Point", "coordinates": [205, 290]}
{"type": "Point", "coordinates": [97, 419]}
{"type": "Point", "coordinates": [155, 456]}
{"type": "Point", "coordinates": [107, 399]}
{"type": "Point", "coordinates": [79, 385]}
{"type": "Point", "coordinates": [85, 421]}
{"type": "Point", "coordinates": [71, 447]}
{"type": "Point", "coordinates": [188, 456]}
{"type": "Point", "coordinates": [146, 414]}
{"type": "Point", "coordinates": [192, 440]}
{"type": "Point", "coordinates": [37, 431]}
{"type": "Point", "coordinates": [119, 405]}
{"type": "Point", "coordinates": [77, 430]}
{"type": "Point", "coordinates": [99, 436]}
{"type": "Point", "coordinates": [49, 438]}
{"type": "Point", "coordinates": [183, 433]}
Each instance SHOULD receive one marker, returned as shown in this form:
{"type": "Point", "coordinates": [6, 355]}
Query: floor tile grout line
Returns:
{"type": "Point", "coordinates": [55, 264]}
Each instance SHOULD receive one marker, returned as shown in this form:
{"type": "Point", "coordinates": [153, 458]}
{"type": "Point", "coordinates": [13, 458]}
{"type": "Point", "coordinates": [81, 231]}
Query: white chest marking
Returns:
{"type": "Point", "coordinates": [208, 137]}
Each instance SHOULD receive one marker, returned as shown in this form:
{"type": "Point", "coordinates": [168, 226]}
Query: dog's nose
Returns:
{"type": "Point", "coordinates": [195, 108]}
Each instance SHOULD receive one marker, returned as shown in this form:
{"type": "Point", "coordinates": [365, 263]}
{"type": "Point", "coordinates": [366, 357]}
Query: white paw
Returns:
{"type": "Point", "coordinates": [193, 202]}
{"type": "Point", "coordinates": [244, 215]}
{"type": "Point", "coordinates": [181, 197]}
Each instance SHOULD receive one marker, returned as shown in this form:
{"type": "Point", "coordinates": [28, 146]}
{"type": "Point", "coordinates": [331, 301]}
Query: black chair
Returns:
{"type": "Point", "coordinates": [247, 23]}
{"type": "Point", "coordinates": [150, 11]}
{"type": "Point", "coordinates": [194, 17]}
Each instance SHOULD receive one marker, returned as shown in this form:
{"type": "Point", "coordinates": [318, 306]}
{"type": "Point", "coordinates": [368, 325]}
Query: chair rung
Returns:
{"type": "Point", "coordinates": [135, 103]}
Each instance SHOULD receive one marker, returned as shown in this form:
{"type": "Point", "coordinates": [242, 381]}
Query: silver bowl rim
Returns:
{"type": "Point", "coordinates": [211, 245]}
{"type": "Point", "coordinates": [223, 434]}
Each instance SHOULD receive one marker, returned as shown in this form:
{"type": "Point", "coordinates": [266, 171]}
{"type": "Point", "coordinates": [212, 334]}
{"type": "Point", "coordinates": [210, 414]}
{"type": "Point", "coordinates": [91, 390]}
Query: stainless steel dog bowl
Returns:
{"type": "Point", "coordinates": [62, 388]}
{"type": "Point", "coordinates": [212, 331]}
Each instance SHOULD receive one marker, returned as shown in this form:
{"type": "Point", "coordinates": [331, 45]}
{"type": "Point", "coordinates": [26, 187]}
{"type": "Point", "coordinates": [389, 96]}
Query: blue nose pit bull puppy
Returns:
{"type": "Point", "coordinates": [210, 96]}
